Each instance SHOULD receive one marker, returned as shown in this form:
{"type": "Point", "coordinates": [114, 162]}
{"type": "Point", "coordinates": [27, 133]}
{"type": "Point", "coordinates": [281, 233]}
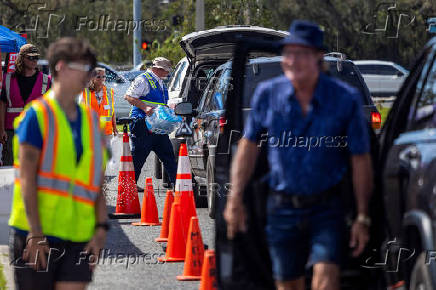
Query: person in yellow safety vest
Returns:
{"type": "Point", "coordinates": [59, 218]}
{"type": "Point", "coordinates": [101, 99]}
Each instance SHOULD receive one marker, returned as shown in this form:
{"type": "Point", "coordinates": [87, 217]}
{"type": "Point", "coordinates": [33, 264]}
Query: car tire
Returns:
{"type": "Point", "coordinates": [421, 277]}
{"type": "Point", "coordinates": [210, 189]}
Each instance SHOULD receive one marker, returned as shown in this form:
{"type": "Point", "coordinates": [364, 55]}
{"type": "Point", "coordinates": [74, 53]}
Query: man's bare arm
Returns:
{"type": "Point", "coordinates": [362, 181]}
{"type": "Point", "coordinates": [243, 166]}
{"type": "Point", "coordinates": [29, 158]}
{"type": "Point", "coordinates": [137, 103]}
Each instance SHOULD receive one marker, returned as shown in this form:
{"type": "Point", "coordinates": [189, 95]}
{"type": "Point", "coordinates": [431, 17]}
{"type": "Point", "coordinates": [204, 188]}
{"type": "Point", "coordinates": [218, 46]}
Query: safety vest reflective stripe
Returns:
{"type": "Point", "coordinates": [50, 135]}
{"type": "Point", "coordinates": [88, 97]}
{"type": "Point", "coordinates": [78, 191]}
{"type": "Point", "coordinates": [109, 101]}
{"type": "Point", "coordinates": [95, 144]}
{"type": "Point", "coordinates": [153, 103]}
{"type": "Point", "coordinates": [14, 110]}
{"type": "Point", "coordinates": [150, 80]}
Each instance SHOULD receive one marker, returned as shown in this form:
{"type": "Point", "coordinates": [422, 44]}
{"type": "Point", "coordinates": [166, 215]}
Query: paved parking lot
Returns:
{"type": "Point", "coordinates": [131, 253]}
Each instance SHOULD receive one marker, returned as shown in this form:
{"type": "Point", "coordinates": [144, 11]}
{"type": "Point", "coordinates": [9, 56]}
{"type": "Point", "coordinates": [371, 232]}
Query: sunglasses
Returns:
{"type": "Point", "coordinates": [33, 57]}
{"type": "Point", "coordinates": [100, 77]}
{"type": "Point", "coordinates": [80, 67]}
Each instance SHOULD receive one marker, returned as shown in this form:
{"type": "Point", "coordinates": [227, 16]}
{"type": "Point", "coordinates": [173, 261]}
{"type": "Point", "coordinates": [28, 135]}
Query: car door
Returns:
{"type": "Point", "coordinates": [407, 139]}
{"type": "Point", "coordinates": [197, 144]}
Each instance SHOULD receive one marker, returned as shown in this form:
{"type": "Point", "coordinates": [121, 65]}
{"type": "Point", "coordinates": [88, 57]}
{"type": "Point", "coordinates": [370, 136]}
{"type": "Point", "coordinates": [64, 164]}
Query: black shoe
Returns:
{"type": "Point", "coordinates": [139, 189]}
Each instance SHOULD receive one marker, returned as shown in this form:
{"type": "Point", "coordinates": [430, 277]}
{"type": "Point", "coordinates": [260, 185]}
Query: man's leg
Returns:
{"type": "Point", "coordinates": [164, 151]}
{"type": "Point", "coordinates": [138, 155]}
{"type": "Point", "coordinates": [325, 277]}
{"type": "Point", "coordinates": [327, 241]}
{"type": "Point", "coordinates": [288, 242]}
{"type": "Point", "coordinates": [141, 145]}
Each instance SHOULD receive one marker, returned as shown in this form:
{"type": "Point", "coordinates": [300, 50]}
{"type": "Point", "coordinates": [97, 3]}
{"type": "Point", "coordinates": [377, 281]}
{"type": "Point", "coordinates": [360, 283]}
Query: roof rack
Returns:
{"type": "Point", "coordinates": [338, 55]}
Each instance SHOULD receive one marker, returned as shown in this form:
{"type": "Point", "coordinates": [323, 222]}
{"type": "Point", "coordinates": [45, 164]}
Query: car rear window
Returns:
{"type": "Point", "coordinates": [347, 73]}
{"type": "Point", "coordinates": [256, 73]}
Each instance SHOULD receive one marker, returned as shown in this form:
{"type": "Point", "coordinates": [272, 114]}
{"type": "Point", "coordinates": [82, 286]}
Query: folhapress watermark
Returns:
{"type": "Point", "coordinates": [286, 140]}
{"type": "Point", "coordinates": [125, 259]}
{"type": "Point", "coordinates": [106, 23]}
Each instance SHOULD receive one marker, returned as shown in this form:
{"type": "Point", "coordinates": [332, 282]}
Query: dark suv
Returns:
{"type": "Point", "coordinates": [408, 161]}
{"type": "Point", "coordinates": [244, 262]}
{"type": "Point", "coordinates": [210, 112]}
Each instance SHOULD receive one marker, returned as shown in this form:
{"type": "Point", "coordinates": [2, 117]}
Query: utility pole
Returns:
{"type": "Point", "coordinates": [137, 32]}
{"type": "Point", "coordinates": [199, 15]}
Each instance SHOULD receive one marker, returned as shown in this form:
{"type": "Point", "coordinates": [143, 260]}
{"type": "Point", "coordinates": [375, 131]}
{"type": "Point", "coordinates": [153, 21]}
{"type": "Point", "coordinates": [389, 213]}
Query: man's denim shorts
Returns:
{"type": "Point", "coordinates": [298, 238]}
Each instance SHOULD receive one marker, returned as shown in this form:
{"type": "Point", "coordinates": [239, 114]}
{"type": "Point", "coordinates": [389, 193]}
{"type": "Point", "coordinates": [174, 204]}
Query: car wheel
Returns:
{"type": "Point", "coordinates": [420, 278]}
{"type": "Point", "coordinates": [210, 189]}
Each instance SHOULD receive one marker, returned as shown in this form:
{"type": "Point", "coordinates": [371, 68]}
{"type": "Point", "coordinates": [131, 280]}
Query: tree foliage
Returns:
{"type": "Point", "coordinates": [373, 29]}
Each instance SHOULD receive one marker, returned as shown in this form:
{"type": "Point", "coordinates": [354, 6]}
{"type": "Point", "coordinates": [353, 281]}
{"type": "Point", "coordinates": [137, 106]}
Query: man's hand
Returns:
{"type": "Point", "coordinates": [95, 245]}
{"type": "Point", "coordinates": [359, 238]}
{"type": "Point", "coordinates": [235, 216]}
{"type": "Point", "coordinates": [149, 111]}
{"type": "Point", "coordinates": [3, 137]}
{"type": "Point", "coordinates": [36, 251]}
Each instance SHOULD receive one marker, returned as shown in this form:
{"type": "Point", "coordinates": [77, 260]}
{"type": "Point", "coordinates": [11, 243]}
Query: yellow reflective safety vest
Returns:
{"type": "Point", "coordinates": [66, 190]}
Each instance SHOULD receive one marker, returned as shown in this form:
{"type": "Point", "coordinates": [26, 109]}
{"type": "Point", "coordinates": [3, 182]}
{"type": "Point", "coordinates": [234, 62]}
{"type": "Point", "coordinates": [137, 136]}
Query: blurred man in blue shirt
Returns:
{"type": "Point", "coordinates": [312, 125]}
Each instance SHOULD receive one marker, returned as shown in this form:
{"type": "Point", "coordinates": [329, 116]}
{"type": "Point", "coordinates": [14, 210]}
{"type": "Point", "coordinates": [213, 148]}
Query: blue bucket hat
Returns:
{"type": "Point", "coordinates": [303, 32]}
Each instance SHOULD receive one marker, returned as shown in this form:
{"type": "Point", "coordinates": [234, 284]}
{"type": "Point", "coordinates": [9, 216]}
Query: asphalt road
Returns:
{"type": "Point", "coordinates": [131, 253]}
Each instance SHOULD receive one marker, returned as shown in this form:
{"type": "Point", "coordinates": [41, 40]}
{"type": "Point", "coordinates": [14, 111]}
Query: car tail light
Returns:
{"type": "Point", "coordinates": [376, 120]}
{"type": "Point", "coordinates": [222, 123]}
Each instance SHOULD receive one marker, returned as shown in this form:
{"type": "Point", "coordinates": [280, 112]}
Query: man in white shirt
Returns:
{"type": "Point", "coordinates": [145, 93]}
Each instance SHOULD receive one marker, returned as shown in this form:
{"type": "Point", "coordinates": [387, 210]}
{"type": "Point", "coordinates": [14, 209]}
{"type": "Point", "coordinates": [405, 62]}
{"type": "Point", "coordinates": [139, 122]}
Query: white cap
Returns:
{"type": "Point", "coordinates": [163, 63]}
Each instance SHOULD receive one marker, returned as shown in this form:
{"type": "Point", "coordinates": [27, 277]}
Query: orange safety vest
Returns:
{"type": "Point", "coordinates": [105, 109]}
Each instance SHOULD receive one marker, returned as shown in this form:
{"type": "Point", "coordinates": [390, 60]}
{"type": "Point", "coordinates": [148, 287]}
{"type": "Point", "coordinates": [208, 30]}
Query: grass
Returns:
{"type": "Point", "coordinates": [2, 278]}
{"type": "Point", "coordinates": [384, 112]}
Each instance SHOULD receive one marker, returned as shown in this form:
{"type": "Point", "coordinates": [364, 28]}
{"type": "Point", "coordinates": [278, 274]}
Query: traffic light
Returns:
{"type": "Point", "coordinates": [146, 45]}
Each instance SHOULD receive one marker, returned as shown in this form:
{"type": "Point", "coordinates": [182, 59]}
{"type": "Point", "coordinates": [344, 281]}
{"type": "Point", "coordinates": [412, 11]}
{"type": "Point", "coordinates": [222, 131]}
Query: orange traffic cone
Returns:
{"type": "Point", "coordinates": [166, 218]}
{"type": "Point", "coordinates": [176, 246]}
{"type": "Point", "coordinates": [194, 253]}
{"type": "Point", "coordinates": [208, 272]}
{"type": "Point", "coordinates": [127, 201]}
{"type": "Point", "coordinates": [149, 215]}
{"type": "Point", "coordinates": [184, 193]}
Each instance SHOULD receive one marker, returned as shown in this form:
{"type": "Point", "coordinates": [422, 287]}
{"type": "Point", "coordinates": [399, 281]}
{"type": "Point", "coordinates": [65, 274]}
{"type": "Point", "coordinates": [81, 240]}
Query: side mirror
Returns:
{"type": "Point", "coordinates": [399, 74]}
{"type": "Point", "coordinates": [184, 109]}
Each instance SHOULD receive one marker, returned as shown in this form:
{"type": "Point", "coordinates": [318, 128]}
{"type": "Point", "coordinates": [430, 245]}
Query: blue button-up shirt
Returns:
{"type": "Point", "coordinates": [307, 153]}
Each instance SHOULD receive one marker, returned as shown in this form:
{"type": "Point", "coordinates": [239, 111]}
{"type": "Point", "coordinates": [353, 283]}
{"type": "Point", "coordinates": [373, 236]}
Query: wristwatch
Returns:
{"type": "Point", "coordinates": [363, 219]}
{"type": "Point", "coordinates": [105, 226]}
